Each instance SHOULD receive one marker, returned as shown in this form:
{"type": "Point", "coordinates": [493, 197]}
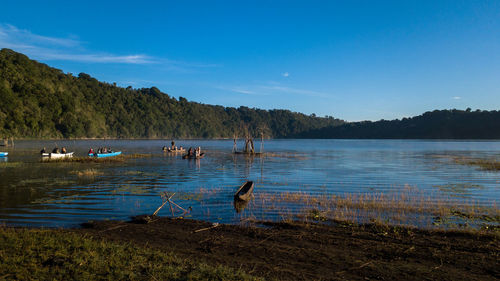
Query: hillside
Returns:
{"type": "Point", "coordinates": [438, 124]}
{"type": "Point", "coordinates": [43, 102]}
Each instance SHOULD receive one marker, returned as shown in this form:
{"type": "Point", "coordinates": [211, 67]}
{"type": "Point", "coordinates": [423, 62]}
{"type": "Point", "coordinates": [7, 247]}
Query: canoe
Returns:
{"type": "Point", "coordinates": [4, 154]}
{"type": "Point", "coordinates": [108, 154]}
{"type": "Point", "coordinates": [245, 191]}
{"type": "Point", "coordinates": [61, 155]}
{"type": "Point", "coordinates": [46, 154]}
{"type": "Point", "coordinates": [193, 157]}
{"type": "Point", "coordinates": [174, 151]}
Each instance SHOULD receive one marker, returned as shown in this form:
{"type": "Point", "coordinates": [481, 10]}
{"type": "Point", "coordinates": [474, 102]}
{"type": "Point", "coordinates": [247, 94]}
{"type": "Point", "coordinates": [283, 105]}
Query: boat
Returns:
{"type": "Point", "coordinates": [174, 150]}
{"type": "Point", "coordinates": [46, 154]}
{"type": "Point", "coordinates": [107, 154]}
{"type": "Point", "coordinates": [60, 155]}
{"type": "Point", "coordinates": [193, 156]}
{"type": "Point", "coordinates": [4, 154]}
{"type": "Point", "coordinates": [244, 193]}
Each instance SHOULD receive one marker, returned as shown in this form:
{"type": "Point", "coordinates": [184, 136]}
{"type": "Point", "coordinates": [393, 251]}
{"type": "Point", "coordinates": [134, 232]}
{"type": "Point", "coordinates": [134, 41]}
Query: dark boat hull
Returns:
{"type": "Point", "coordinates": [245, 191]}
{"type": "Point", "coordinates": [193, 157]}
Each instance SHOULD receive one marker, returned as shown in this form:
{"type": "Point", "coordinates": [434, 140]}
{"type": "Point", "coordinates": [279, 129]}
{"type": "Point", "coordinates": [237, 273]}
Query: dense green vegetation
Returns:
{"type": "Point", "coordinates": [43, 102]}
{"type": "Point", "coordinates": [29, 254]}
{"type": "Point", "coordinates": [438, 124]}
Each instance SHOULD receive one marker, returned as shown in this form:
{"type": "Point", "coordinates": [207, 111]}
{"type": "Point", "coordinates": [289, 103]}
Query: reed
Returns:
{"type": "Point", "coordinates": [485, 164]}
{"type": "Point", "coordinates": [88, 173]}
{"type": "Point", "coordinates": [407, 207]}
{"type": "Point", "coordinates": [115, 159]}
{"type": "Point", "coordinates": [10, 164]}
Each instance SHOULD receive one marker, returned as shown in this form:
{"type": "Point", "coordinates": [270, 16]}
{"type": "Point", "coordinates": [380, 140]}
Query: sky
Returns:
{"type": "Point", "coordinates": [353, 60]}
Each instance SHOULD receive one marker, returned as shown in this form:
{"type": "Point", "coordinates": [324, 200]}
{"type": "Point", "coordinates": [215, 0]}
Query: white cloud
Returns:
{"type": "Point", "coordinates": [286, 74]}
{"type": "Point", "coordinates": [295, 91]}
{"type": "Point", "coordinates": [268, 90]}
{"type": "Point", "coordinates": [71, 49]}
{"type": "Point", "coordinates": [457, 98]}
{"type": "Point", "coordinates": [239, 90]}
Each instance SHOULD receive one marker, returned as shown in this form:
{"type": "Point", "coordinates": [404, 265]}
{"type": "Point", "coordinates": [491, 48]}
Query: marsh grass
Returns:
{"type": "Point", "coordinates": [485, 164]}
{"type": "Point", "coordinates": [10, 164]}
{"type": "Point", "coordinates": [136, 155]}
{"type": "Point", "coordinates": [408, 207]}
{"type": "Point", "coordinates": [113, 159]}
{"type": "Point", "coordinates": [88, 173]}
{"type": "Point", "coordinates": [29, 254]}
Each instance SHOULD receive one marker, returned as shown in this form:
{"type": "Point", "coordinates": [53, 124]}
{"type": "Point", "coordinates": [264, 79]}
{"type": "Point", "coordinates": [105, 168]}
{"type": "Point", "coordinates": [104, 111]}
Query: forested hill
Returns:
{"type": "Point", "coordinates": [438, 124]}
{"type": "Point", "coordinates": [43, 102]}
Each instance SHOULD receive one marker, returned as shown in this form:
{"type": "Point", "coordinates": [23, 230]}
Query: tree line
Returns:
{"type": "Point", "coordinates": [38, 101]}
{"type": "Point", "coordinates": [437, 124]}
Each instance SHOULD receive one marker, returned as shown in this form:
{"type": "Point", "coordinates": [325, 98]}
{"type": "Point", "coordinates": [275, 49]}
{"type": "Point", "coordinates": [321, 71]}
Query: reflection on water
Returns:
{"type": "Point", "coordinates": [239, 205]}
{"type": "Point", "coordinates": [58, 194]}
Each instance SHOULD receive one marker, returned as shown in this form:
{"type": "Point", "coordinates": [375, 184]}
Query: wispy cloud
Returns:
{"type": "Point", "coordinates": [72, 49]}
{"type": "Point", "coordinates": [286, 74]}
{"type": "Point", "coordinates": [269, 90]}
{"type": "Point", "coordinates": [457, 98]}
{"type": "Point", "coordinates": [289, 90]}
{"type": "Point", "coordinates": [239, 90]}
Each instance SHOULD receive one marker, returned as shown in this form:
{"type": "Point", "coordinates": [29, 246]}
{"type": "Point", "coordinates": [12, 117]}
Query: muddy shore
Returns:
{"type": "Point", "coordinates": [300, 251]}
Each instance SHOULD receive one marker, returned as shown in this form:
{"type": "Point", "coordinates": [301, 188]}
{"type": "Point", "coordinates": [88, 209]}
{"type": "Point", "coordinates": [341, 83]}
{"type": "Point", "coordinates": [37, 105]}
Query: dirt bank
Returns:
{"type": "Point", "coordinates": [298, 251]}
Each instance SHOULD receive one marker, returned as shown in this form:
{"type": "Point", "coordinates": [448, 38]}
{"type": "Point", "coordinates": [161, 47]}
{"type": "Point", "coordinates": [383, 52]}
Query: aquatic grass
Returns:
{"type": "Point", "coordinates": [10, 164]}
{"type": "Point", "coordinates": [40, 254]}
{"type": "Point", "coordinates": [88, 173]}
{"type": "Point", "coordinates": [137, 155]}
{"type": "Point", "coordinates": [112, 159]}
{"type": "Point", "coordinates": [485, 164]}
{"type": "Point", "coordinates": [408, 207]}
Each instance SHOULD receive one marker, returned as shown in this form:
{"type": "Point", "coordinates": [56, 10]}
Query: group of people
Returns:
{"type": "Point", "coordinates": [55, 150]}
{"type": "Point", "coordinates": [194, 152]}
{"type": "Point", "coordinates": [173, 147]}
{"type": "Point", "coordinates": [101, 150]}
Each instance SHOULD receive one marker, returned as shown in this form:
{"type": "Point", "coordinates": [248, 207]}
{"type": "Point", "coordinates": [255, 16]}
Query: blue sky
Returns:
{"type": "Point", "coordinates": [354, 60]}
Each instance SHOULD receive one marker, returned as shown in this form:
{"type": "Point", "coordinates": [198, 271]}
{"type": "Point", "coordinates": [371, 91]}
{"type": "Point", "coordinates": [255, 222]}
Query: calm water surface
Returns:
{"type": "Point", "coordinates": [51, 194]}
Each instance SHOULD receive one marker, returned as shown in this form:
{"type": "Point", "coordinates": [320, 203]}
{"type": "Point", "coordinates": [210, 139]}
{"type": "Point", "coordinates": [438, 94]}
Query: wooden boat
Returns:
{"type": "Point", "coordinates": [193, 156]}
{"type": "Point", "coordinates": [174, 150]}
{"type": "Point", "coordinates": [61, 155]}
{"type": "Point", "coordinates": [4, 154]}
{"type": "Point", "coordinates": [244, 192]}
{"type": "Point", "coordinates": [107, 154]}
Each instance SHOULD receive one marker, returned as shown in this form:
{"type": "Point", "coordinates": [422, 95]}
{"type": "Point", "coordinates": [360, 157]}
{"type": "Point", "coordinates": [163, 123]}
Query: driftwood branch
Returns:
{"type": "Point", "coordinates": [157, 210]}
{"type": "Point", "coordinates": [167, 198]}
{"type": "Point", "coordinates": [214, 225]}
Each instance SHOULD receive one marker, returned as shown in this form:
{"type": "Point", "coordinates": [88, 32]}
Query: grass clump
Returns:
{"type": "Point", "coordinates": [88, 173]}
{"type": "Point", "coordinates": [406, 207]}
{"type": "Point", "coordinates": [485, 164]}
{"type": "Point", "coordinates": [29, 254]}
{"type": "Point", "coordinates": [10, 164]}
{"type": "Point", "coordinates": [111, 159]}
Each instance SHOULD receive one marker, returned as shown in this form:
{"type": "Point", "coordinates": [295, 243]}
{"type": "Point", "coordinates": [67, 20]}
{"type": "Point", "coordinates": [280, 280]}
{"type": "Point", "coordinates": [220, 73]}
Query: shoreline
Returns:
{"type": "Point", "coordinates": [311, 251]}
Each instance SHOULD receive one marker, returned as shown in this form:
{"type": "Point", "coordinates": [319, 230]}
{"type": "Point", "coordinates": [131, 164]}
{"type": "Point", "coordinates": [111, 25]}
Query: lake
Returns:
{"type": "Point", "coordinates": [36, 193]}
